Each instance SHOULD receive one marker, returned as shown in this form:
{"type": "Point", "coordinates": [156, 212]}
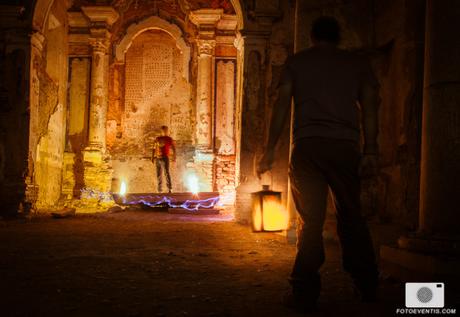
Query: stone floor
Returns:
{"type": "Point", "coordinates": [155, 264]}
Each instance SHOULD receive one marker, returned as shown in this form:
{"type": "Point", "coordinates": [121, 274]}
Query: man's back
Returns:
{"type": "Point", "coordinates": [326, 86]}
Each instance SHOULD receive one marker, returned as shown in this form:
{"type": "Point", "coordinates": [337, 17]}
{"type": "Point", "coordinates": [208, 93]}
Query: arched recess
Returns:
{"type": "Point", "coordinates": [154, 23]}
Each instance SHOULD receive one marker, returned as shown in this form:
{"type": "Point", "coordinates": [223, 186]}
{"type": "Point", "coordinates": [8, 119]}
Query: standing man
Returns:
{"type": "Point", "coordinates": [164, 149]}
{"type": "Point", "coordinates": [330, 86]}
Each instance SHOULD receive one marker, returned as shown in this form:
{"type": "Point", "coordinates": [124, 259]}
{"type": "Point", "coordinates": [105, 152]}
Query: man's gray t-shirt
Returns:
{"type": "Point", "coordinates": [326, 86]}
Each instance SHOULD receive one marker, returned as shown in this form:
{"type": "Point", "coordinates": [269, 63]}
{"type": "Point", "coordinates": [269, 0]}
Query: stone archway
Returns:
{"type": "Point", "coordinates": [239, 13]}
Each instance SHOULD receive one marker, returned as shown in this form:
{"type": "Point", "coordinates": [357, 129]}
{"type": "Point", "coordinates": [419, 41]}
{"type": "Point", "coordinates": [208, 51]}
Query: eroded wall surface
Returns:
{"type": "Point", "coordinates": [48, 139]}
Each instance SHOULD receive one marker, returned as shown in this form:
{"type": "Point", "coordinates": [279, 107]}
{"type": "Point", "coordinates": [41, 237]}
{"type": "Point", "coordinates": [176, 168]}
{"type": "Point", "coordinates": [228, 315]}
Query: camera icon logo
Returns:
{"type": "Point", "coordinates": [420, 295]}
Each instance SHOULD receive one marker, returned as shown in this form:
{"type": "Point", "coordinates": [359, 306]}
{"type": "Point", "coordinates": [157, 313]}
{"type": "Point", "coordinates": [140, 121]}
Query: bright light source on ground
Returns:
{"type": "Point", "coordinates": [123, 188]}
{"type": "Point", "coordinates": [275, 217]}
{"type": "Point", "coordinates": [268, 214]}
{"type": "Point", "coordinates": [193, 184]}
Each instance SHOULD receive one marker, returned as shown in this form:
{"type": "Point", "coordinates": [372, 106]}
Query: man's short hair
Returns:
{"type": "Point", "coordinates": [164, 127]}
{"type": "Point", "coordinates": [326, 29]}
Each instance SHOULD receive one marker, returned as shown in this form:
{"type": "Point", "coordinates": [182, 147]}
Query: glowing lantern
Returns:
{"type": "Point", "coordinates": [123, 188]}
{"type": "Point", "coordinates": [267, 212]}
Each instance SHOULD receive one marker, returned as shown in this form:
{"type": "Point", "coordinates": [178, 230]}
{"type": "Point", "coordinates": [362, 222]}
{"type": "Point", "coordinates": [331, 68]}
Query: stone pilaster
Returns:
{"type": "Point", "coordinates": [99, 92]}
{"type": "Point", "coordinates": [253, 55]}
{"type": "Point", "coordinates": [206, 21]}
{"type": "Point", "coordinates": [101, 19]}
{"type": "Point", "coordinates": [204, 94]}
{"type": "Point", "coordinates": [253, 125]}
{"type": "Point", "coordinates": [97, 164]}
{"type": "Point", "coordinates": [427, 250]}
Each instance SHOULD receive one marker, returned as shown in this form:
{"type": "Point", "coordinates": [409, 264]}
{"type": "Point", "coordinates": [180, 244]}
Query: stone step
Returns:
{"type": "Point", "coordinates": [198, 212]}
{"type": "Point", "coordinates": [176, 201]}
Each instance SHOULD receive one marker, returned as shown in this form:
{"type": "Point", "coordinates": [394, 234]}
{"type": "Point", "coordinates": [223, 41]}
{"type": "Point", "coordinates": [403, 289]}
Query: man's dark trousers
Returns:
{"type": "Point", "coordinates": [163, 164]}
{"type": "Point", "coordinates": [316, 164]}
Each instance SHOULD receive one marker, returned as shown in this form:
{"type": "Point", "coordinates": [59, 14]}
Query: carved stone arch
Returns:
{"type": "Point", "coordinates": [40, 16]}
{"type": "Point", "coordinates": [154, 23]}
{"type": "Point", "coordinates": [239, 13]}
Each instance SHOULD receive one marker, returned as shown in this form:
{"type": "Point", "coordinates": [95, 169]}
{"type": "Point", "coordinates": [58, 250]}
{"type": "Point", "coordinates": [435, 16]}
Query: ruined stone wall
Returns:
{"type": "Point", "coordinates": [155, 94]}
{"type": "Point", "coordinates": [52, 107]}
{"type": "Point", "coordinates": [399, 39]}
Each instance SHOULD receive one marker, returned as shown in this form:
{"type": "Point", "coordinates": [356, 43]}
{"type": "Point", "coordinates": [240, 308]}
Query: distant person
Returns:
{"type": "Point", "coordinates": [329, 86]}
{"type": "Point", "coordinates": [164, 152]}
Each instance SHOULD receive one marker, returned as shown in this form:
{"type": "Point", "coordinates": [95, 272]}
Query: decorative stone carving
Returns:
{"type": "Point", "coordinates": [99, 45]}
{"type": "Point", "coordinates": [206, 47]}
{"type": "Point", "coordinates": [37, 41]}
{"type": "Point", "coordinates": [101, 14]}
{"type": "Point", "coordinates": [228, 23]}
{"type": "Point", "coordinates": [206, 21]}
{"type": "Point", "coordinates": [205, 18]}
{"type": "Point", "coordinates": [77, 20]}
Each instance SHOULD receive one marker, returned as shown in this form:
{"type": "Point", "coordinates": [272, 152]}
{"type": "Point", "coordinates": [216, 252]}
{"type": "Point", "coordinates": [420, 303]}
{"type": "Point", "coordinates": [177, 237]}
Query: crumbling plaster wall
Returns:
{"type": "Point", "coordinates": [52, 109]}
{"type": "Point", "coordinates": [50, 133]}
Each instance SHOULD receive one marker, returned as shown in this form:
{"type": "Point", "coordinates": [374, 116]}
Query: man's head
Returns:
{"type": "Point", "coordinates": [164, 130]}
{"type": "Point", "coordinates": [325, 30]}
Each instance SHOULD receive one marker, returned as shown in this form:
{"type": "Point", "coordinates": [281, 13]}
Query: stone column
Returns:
{"type": "Point", "coordinates": [99, 93]}
{"type": "Point", "coordinates": [253, 123]}
{"type": "Point", "coordinates": [206, 22]}
{"type": "Point", "coordinates": [101, 19]}
{"type": "Point", "coordinates": [97, 165]}
{"type": "Point", "coordinates": [204, 94]}
{"type": "Point", "coordinates": [437, 237]}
